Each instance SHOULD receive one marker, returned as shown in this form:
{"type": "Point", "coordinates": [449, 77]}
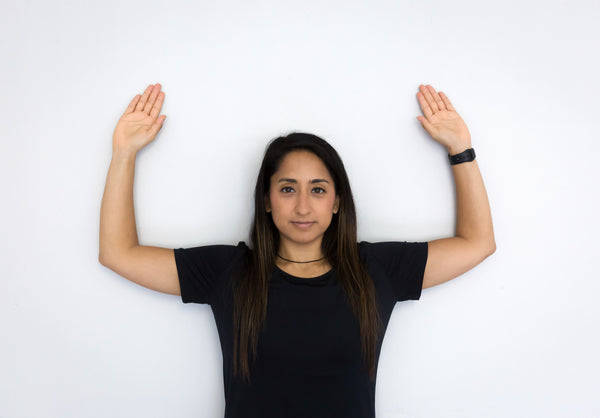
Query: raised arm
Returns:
{"type": "Point", "coordinates": [474, 238]}
{"type": "Point", "coordinates": [151, 267]}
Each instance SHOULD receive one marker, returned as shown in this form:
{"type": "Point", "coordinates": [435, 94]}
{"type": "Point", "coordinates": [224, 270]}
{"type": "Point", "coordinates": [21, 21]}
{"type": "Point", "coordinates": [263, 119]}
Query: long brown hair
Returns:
{"type": "Point", "coordinates": [339, 246]}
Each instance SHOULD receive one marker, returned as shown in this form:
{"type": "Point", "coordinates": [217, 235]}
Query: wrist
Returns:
{"type": "Point", "coordinates": [457, 149]}
{"type": "Point", "coordinates": [120, 154]}
{"type": "Point", "coordinates": [463, 157]}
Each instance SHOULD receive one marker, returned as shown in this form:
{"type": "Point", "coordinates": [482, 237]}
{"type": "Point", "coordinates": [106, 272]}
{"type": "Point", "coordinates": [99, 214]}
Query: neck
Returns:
{"type": "Point", "coordinates": [297, 257]}
{"type": "Point", "coordinates": [290, 252]}
{"type": "Point", "coordinates": [300, 262]}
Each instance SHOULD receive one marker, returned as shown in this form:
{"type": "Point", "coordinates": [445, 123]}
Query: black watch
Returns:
{"type": "Point", "coordinates": [463, 157]}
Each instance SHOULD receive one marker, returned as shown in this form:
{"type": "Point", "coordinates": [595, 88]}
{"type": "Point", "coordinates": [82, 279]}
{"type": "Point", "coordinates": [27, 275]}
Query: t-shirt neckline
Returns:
{"type": "Point", "coordinates": [323, 277]}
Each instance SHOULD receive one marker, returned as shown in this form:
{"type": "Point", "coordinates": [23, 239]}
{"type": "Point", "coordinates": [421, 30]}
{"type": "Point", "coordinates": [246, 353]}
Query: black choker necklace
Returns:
{"type": "Point", "coordinates": [302, 262]}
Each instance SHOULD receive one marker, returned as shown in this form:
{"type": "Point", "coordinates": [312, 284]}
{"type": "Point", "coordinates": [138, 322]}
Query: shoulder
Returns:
{"type": "Point", "coordinates": [401, 262]}
{"type": "Point", "coordinates": [215, 256]}
{"type": "Point", "coordinates": [201, 269]}
{"type": "Point", "coordinates": [216, 249]}
{"type": "Point", "coordinates": [390, 249]}
{"type": "Point", "coordinates": [394, 256]}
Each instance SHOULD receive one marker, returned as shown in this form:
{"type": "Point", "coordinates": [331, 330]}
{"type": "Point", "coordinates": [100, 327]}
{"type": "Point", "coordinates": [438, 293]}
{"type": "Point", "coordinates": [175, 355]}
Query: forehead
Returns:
{"type": "Point", "coordinates": [302, 165]}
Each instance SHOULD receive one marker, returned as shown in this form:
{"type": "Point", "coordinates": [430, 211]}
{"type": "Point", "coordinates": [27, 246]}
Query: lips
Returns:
{"type": "Point", "coordinates": [303, 225]}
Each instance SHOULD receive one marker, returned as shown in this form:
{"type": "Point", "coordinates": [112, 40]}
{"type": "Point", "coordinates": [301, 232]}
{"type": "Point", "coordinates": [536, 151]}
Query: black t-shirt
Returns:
{"type": "Point", "coordinates": [310, 363]}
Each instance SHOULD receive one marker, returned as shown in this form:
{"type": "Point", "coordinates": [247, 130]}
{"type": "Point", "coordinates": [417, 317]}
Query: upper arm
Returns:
{"type": "Point", "coordinates": [402, 263]}
{"type": "Point", "coordinates": [151, 267]}
{"type": "Point", "coordinates": [450, 257]}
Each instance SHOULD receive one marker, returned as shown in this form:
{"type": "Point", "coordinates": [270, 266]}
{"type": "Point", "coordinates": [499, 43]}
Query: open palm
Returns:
{"type": "Point", "coordinates": [141, 121]}
{"type": "Point", "coordinates": [441, 121]}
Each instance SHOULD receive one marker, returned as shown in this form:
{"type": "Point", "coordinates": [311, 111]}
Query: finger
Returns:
{"type": "Point", "coordinates": [438, 100]}
{"type": "Point", "coordinates": [153, 95]}
{"type": "Point", "coordinates": [424, 105]}
{"type": "Point", "coordinates": [427, 96]}
{"type": "Point", "coordinates": [447, 102]}
{"type": "Point", "coordinates": [157, 105]}
{"type": "Point", "coordinates": [426, 125]}
{"type": "Point", "coordinates": [158, 123]}
{"type": "Point", "coordinates": [132, 104]}
{"type": "Point", "coordinates": [140, 106]}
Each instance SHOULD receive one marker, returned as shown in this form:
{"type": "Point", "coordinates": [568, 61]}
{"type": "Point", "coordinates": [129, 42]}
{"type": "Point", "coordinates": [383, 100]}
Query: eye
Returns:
{"type": "Point", "coordinates": [319, 190]}
{"type": "Point", "coordinates": [287, 189]}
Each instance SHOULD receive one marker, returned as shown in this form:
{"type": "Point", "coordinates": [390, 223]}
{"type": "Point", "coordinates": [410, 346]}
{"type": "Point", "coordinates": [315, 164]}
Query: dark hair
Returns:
{"type": "Point", "coordinates": [339, 246]}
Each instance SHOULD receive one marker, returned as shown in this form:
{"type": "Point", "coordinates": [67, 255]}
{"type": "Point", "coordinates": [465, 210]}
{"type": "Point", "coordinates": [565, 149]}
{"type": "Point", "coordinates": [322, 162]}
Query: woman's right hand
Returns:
{"type": "Point", "coordinates": [141, 121]}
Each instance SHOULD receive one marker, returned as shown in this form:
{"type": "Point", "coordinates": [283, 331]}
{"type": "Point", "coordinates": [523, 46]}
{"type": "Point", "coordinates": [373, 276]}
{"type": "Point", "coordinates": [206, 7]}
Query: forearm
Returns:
{"type": "Point", "coordinates": [117, 216]}
{"type": "Point", "coordinates": [473, 215]}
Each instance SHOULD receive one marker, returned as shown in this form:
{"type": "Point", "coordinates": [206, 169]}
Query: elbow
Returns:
{"type": "Point", "coordinates": [106, 258]}
{"type": "Point", "coordinates": [112, 258]}
{"type": "Point", "coordinates": [491, 248]}
{"type": "Point", "coordinates": [103, 250]}
{"type": "Point", "coordinates": [102, 259]}
{"type": "Point", "coordinates": [484, 247]}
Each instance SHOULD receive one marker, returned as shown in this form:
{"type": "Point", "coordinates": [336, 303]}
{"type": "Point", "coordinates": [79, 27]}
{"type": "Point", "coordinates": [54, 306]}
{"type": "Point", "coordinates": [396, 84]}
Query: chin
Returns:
{"type": "Point", "coordinates": [303, 239]}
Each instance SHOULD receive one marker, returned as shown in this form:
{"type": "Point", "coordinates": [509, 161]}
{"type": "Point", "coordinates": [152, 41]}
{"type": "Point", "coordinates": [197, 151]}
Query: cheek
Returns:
{"type": "Point", "coordinates": [275, 203]}
{"type": "Point", "coordinates": [278, 209]}
{"type": "Point", "coordinates": [332, 203]}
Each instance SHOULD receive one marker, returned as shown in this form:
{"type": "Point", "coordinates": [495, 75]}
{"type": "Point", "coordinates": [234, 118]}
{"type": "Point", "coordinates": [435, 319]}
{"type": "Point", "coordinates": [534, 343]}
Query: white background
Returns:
{"type": "Point", "coordinates": [517, 336]}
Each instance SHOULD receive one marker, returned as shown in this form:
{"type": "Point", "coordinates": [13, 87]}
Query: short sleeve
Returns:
{"type": "Point", "coordinates": [200, 268]}
{"type": "Point", "coordinates": [403, 264]}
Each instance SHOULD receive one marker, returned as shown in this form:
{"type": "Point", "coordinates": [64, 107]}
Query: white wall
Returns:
{"type": "Point", "coordinates": [515, 337]}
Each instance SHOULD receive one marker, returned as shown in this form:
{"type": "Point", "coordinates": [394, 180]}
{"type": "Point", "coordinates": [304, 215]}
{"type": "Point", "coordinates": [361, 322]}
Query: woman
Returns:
{"type": "Point", "coordinates": [302, 312]}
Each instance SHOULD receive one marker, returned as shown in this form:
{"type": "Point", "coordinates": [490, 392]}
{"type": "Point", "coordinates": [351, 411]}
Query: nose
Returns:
{"type": "Point", "coordinates": [302, 204]}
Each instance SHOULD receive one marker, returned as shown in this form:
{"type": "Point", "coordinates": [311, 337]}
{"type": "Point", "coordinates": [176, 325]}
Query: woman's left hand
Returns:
{"type": "Point", "coordinates": [441, 121]}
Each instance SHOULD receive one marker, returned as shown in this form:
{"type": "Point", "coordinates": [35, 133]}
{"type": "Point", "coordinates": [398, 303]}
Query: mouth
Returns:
{"type": "Point", "coordinates": [303, 225]}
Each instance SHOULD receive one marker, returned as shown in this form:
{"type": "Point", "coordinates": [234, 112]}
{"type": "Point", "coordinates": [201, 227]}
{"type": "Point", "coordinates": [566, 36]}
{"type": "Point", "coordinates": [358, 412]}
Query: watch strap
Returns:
{"type": "Point", "coordinates": [463, 157]}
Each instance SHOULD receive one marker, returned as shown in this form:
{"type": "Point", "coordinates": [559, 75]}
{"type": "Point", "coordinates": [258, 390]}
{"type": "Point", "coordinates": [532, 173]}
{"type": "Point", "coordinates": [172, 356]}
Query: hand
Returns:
{"type": "Point", "coordinates": [441, 121]}
{"type": "Point", "coordinates": [140, 123]}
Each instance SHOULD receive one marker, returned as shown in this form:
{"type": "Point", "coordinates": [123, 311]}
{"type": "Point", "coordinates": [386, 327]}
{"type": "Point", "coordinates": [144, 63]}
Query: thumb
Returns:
{"type": "Point", "coordinates": [157, 125]}
{"type": "Point", "coordinates": [426, 125]}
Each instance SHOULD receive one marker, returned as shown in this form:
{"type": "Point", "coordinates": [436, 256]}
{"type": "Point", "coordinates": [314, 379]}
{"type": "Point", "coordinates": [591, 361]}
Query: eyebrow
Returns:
{"type": "Point", "coordinates": [287, 180]}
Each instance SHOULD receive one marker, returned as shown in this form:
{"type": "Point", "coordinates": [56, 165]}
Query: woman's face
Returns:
{"type": "Point", "coordinates": [302, 198]}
